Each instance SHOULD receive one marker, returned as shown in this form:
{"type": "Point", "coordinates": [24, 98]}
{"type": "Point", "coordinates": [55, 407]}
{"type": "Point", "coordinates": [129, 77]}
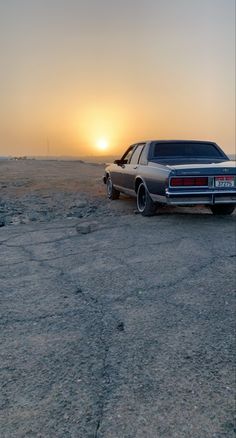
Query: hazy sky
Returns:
{"type": "Point", "coordinates": [76, 71]}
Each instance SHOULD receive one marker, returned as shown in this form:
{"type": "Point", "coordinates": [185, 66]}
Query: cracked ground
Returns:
{"type": "Point", "coordinates": [112, 325]}
{"type": "Point", "coordinates": [124, 332]}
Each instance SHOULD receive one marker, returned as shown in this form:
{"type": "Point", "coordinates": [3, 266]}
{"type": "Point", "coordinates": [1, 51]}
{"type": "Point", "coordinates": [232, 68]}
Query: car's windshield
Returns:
{"type": "Point", "coordinates": [186, 150]}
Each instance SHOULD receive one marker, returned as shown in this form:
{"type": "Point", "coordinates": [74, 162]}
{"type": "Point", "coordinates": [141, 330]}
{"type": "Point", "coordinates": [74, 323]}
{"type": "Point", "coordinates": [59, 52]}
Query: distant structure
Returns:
{"type": "Point", "coordinates": [19, 158]}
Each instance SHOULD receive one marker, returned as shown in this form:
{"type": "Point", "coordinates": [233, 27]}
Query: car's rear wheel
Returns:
{"type": "Point", "coordinates": [112, 193]}
{"type": "Point", "coordinates": [222, 208]}
{"type": "Point", "coordinates": [145, 204]}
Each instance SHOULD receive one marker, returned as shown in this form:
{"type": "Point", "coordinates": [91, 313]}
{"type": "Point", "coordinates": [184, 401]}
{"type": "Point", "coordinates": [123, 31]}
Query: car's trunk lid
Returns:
{"type": "Point", "coordinates": [223, 168]}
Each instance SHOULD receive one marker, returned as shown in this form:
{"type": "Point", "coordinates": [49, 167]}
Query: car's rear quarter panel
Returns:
{"type": "Point", "coordinates": [156, 178]}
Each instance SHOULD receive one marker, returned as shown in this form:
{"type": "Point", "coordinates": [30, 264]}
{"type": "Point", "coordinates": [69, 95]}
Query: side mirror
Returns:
{"type": "Point", "coordinates": [120, 162]}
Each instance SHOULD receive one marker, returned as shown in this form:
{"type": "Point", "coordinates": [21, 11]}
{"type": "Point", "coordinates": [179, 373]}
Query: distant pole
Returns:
{"type": "Point", "coordinates": [48, 147]}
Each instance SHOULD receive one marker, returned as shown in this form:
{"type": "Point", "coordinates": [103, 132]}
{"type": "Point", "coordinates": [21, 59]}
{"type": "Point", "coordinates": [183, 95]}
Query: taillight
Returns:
{"type": "Point", "coordinates": [198, 181]}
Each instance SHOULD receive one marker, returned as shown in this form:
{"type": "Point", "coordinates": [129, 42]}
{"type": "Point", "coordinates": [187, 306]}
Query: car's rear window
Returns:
{"type": "Point", "coordinates": [186, 150]}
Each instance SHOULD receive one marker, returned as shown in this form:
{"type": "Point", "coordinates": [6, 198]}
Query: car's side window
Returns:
{"type": "Point", "coordinates": [135, 157]}
{"type": "Point", "coordinates": [143, 156]}
{"type": "Point", "coordinates": [126, 157]}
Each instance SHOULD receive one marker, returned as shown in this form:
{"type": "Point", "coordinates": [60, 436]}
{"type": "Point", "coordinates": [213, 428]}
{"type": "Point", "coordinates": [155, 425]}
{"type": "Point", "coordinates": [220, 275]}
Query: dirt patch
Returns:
{"type": "Point", "coordinates": [40, 191]}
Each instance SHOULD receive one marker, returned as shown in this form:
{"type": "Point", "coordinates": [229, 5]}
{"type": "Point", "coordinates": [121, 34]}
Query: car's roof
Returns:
{"type": "Point", "coordinates": [179, 141]}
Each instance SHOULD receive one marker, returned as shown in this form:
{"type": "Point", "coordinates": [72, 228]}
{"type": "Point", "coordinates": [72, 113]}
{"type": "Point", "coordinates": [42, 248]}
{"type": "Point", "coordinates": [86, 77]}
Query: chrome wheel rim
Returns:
{"type": "Point", "coordinates": [109, 186]}
{"type": "Point", "coordinates": [141, 198]}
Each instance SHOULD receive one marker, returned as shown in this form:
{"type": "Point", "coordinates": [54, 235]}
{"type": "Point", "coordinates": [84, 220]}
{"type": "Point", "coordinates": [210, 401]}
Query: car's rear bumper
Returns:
{"type": "Point", "coordinates": [200, 197]}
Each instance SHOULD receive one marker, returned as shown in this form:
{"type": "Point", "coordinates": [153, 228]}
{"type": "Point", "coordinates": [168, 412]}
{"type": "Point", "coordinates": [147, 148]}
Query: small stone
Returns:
{"type": "Point", "coordinates": [86, 227]}
{"type": "Point", "coordinates": [120, 327]}
{"type": "Point", "coordinates": [80, 204]}
{"type": "Point", "coordinates": [83, 228]}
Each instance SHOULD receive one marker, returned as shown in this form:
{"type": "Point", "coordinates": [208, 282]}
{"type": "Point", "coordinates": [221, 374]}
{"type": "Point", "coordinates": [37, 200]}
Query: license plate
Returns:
{"type": "Point", "coordinates": [224, 181]}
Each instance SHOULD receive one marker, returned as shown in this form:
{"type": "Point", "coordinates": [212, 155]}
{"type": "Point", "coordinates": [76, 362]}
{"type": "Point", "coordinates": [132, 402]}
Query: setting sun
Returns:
{"type": "Point", "coordinates": [129, 91]}
{"type": "Point", "coordinates": [102, 144]}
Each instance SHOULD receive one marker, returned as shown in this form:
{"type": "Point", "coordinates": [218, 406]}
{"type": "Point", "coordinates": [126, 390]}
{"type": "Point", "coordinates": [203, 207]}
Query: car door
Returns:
{"type": "Point", "coordinates": [117, 172]}
{"type": "Point", "coordinates": [131, 168]}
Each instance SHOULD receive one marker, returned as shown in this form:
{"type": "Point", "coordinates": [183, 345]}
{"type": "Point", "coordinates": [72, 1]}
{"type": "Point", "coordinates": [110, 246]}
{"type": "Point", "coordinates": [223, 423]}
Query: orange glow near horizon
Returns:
{"type": "Point", "coordinates": [93, 90]}
{"type": "Point", "coordinates": [100, 129]}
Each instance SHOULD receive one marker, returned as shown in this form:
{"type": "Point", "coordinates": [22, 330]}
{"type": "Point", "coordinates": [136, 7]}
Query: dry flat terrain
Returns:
{"type": "Point", "coordinates": [112, 325]}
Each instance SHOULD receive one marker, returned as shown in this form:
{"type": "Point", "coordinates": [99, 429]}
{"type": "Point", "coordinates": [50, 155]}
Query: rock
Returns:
{"type": "Point", "coordinates": [83, 228]}
{"type": "Point", "coordinates": [80, 204]}
{"type": "Point", "coordinates": [86, 227]}
{"type": "Point", "coordinates": [120, 327]}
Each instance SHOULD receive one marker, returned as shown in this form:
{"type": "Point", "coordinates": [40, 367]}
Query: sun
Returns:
{"type": "Point", "coordinates": [102, 144]}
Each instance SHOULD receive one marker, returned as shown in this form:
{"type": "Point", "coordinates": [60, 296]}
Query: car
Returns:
{"type": "Point", "coordinates": [174, 172]}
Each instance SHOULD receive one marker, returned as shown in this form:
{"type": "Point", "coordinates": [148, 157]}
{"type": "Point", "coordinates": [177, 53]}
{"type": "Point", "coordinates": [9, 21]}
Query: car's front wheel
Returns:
{"type": "Point", "coordinates": [222, 208]}
{"type": "Point", "coordinates": [145, 204]}
{"type": "Point", "coordinates": [112, 193]}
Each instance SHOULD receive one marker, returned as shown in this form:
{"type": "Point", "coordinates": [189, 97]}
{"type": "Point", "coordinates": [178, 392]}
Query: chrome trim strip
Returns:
{"type": "Point", "coordinates": [202, 202]}
{"type": "Point", "coordinates": [125, 190]}
{"type": "Point", "coordinates": [211, 180]}
{"type": "Point", "coordinates": [189, 187]}
{"type": "Point", "coordinates": [222, 200]}
{"type": "Point", "coordinates": [207, 199]}
{"type": "Point", "coordinates": [177, 202]}
{"type": "Point", "coordinates": [210, 192]}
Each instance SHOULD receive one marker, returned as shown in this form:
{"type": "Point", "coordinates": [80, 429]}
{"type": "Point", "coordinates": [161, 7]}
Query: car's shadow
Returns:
{"type": "Point", "coordinates": [127, 205]}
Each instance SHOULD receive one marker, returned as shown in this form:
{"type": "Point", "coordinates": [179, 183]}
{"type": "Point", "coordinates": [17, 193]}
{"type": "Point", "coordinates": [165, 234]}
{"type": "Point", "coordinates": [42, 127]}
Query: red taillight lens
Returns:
{"type": "Point", "coordinates": [176, 182]}
{"type": "Point", "coordinates": [189, 181]}
{"type": "Point", "coordinates": [201, 181]}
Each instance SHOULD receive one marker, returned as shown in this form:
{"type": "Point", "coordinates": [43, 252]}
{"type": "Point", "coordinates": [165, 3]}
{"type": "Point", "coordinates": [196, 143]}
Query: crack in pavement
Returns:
{"type": "Point", "coordinates": [59, 239]}
{"type": "Point", "coordinates": [102, 310]}
{"type": "Point", "coordinates": [68, 313]}
{"type": "Point", "coordinates": [147, 245]}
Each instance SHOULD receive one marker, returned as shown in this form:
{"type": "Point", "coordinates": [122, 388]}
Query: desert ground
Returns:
{"type": "Point", "coordinates": [112, 325]}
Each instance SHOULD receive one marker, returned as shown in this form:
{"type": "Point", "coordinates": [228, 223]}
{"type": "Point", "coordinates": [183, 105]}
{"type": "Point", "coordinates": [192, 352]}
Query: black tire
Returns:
{"type": "Point", "coordinates": [222, 209]}
{"type": "Point", "coordinates": [112, 193]}
{"type": "Point", "coordinates": [145, 205]}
